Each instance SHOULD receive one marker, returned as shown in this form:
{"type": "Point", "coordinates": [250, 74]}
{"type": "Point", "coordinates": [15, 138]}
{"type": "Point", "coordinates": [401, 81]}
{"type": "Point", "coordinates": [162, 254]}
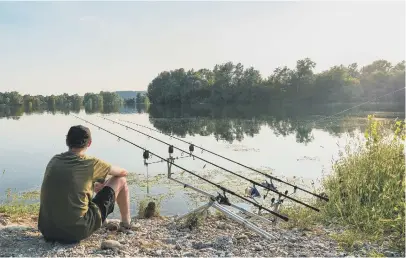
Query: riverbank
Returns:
{"type": "Point", "coordinates": [217, 236]}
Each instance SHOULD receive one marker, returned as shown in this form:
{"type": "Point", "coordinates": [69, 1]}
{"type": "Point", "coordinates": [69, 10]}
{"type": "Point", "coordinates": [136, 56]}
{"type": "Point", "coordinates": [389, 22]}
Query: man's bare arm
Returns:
{"type": "Point", "coordinates": [117, 171]}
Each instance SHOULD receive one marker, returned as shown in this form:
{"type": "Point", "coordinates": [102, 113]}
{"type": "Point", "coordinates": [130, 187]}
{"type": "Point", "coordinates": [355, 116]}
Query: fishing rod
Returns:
{"type": "Point", "coordinates": [236, 162]}
{"type": "Point", "coordinates": [169, 161]}
{"type": "Point", "coordinates": [266, 186]}
{"type": "Point", "coordinates": [260, 172]}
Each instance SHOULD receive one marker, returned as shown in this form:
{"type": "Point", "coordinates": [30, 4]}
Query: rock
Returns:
{"type": "Point", "coordinates": [134, 250]}
{"type": "Point", "coordinates": [223, 243]}
{"type": "Point", "coordinates": [188, 254]}
{"type": "Point", "coordinates": [257, 247]}
{"type": "Point", "coordinates": [221, 225]}
{"type": "Point", "coordinates": [201, 245]}
{"type": "Point", "coordinates": [242, 237]}
{"type": "Point", "coordinates": [110, 244]}
{"type": "Point", "coordinates": [205, 250]}
{"type": "Point", "coordinates": [4, 221]}
{"type": "Point", "coordinates": [388, 253]}
{"type": "Point", "coordinates": [136, 226]}
{"type": "Point", "coordinates": [169, 241]}
{"type": "Point", "coordinates": [158, 252]}
{"type": "Point", "coordinates": [16, 228]}
{"type": "Point", "coordinates": [178, 246]}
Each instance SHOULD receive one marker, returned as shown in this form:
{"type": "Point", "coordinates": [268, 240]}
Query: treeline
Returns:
{"type": "Point", "coordinates": [17, 111]}
{"type": "Point", "coordinates": [139, 99]}
{"type": "Point", "coordinates": [230, 83]}
{"type": "Point", "coordinates": [235, 122]}
{"type": "Point", "coordinates": [92, 100]}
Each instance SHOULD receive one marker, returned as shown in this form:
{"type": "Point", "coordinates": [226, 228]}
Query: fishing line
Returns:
{"type": "Point", "coordinates": [238, 163]}
{"type": "Point", "coordinates": [171, 147]}
{"type": "Point", "coordinates": [225, 190]}
{"type": "Point", "coordinates": [269, 176]}
{"type": "Point", "coordinates": [348, 109]}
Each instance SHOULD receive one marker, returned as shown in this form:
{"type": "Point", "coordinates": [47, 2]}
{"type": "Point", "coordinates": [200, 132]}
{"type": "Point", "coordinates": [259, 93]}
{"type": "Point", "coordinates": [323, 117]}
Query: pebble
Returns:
{"type": "Point", "coordinates": [110, 244]}
{"type": "Point", "coordinates": [223, 243]}
{"type": "Point", "coordinates": [4, 221]}
{"type": "Point", "coordinates": [242, 237]}
{"type": "Point", "coordinates": [129, 232]}
{"type": "Point", "coordinates": [201, 245]}
{"type": "Point", "coordinates": [257, 247]}
{"type": "Point", "coordinates": [178, 246]}
{"type": "Point", "coordinates": [158, 238]}
{"type": "Point", "coordinates": [137, 226]}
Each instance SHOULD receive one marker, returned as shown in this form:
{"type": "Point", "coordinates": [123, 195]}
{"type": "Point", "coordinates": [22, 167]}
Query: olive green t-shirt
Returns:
{"type": "Point", "coordinates": [66, 208]}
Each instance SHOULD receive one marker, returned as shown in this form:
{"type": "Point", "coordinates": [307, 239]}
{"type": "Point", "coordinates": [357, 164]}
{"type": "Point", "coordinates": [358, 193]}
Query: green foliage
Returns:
{"type": "Point", "coordinates": [229, 83]}
{"type": "Point", "coordinates": [349, 240]}
{"type": "Point", "coordinates": [366, 189]}
{"type": "Point", "coordinates": [300, 218]}
{"type": "Point", "coordinates": [144, 203]}
{"type": "Point", "coordinates": [104, 102]}
{"type": "Point", "coordinates": [194, 220]}
{"type": "Point", "coordinates": [20, 205]}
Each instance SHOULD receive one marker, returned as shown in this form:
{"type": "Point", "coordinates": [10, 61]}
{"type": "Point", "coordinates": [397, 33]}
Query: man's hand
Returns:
{"type": "Point", "coordinates": [117, 171]}
{"type": "Point", "coordinates": [98, 186]}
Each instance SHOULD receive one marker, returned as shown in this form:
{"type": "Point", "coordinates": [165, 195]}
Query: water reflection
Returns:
{"type": "Point", "coordinates": [232, 122]}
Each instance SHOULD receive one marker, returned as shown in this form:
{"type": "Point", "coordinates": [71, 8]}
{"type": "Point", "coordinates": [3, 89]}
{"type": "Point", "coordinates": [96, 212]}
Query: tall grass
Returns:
{"type": "Point", "coordinates": [367, 186]}
{"type": "Point", "coordinates": [20, 205]}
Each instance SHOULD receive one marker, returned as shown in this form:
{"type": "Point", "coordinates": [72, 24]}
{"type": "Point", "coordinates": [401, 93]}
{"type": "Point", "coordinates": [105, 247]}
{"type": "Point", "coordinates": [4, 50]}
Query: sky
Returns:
{"type": "Point", "coordinates": [78, 47]}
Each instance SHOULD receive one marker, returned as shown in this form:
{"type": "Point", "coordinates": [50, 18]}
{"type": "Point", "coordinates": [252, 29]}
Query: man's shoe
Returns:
{"type": "Point", "coordinates": [111, 225]}
{"type": "Point", "coordinates": [129, 226]}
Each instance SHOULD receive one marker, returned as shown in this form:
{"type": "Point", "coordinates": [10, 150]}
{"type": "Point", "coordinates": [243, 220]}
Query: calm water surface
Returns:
{"type": "Point", "coordinates": [289, 145]}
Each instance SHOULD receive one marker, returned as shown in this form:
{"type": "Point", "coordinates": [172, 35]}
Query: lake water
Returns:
{"type": "Point", "coordinates": [293, 144]}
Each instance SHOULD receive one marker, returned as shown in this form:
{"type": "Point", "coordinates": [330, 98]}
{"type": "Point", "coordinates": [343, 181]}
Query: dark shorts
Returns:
{"type": "Point", "coordinates": [105, 200]}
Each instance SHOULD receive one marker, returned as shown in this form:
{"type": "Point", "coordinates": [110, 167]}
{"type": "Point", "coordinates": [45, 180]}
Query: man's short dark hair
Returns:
{"type": "Point", "coordinates": [78, 137]}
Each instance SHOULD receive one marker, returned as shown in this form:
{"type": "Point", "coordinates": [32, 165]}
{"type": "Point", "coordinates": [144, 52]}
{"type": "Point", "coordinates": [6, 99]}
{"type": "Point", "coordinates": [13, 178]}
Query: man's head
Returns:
{"type": "Point", "coordinates": [79, 137]}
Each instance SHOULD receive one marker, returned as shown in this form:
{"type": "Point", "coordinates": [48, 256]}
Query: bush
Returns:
{"type": "Point", "coordinates": [367, 186]}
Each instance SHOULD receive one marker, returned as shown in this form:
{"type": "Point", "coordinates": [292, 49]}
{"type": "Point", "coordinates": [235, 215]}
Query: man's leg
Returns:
{"type": "Point", "coordinates": [120, 187]}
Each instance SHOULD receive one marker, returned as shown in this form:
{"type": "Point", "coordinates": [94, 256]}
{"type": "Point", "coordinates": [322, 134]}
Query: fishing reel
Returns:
{"type": "Point", "coordinates": [279, 200]}
{"type": "Point", "coordinates": [223, 199]}
{"type": "Point", "coordinates": [146, 156]}
{"type": "Point", "coordinates": [269, 185]}
{"type": "Point", "coordinates": [252, 192]}
{"type": "Point", "coordinates": [191, 149]}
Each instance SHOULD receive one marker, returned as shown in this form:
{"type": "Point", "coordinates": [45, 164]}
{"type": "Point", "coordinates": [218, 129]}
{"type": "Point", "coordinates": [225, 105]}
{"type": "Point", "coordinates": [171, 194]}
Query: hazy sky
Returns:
{"type": "Point", "coordinates": [77, 47]}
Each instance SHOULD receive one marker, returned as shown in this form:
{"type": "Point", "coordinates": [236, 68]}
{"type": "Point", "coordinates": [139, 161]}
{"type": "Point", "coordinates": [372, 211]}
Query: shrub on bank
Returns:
{"type": "Point", "coordinates": [367, 186]}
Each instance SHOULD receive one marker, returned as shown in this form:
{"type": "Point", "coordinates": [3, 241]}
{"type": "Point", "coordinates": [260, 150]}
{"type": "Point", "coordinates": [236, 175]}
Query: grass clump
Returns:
{"type": "Point", "coordinates": [349, 240]}
{"type": "Point", "coordinates": [144, 204]}
{"type": "Point", "coordinates": [367, 186]}
{"type": "Point", "coordinates": [366, 190]}
{"type": "Point", "coordinates": [300, 217]}
{"type": "Point", "coordinates": [195, 220]}
{"type": "Point", "coordinates": [20, 205]}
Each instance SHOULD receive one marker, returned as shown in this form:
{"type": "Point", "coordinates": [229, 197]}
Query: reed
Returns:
{"type": "Point", "coordinates": [366, 190]}
{"type": "Point", "coordinates": [367, 186]}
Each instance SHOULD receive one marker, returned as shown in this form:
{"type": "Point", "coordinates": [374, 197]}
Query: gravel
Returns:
{"type": "Point", "coordinates": [163, 237]}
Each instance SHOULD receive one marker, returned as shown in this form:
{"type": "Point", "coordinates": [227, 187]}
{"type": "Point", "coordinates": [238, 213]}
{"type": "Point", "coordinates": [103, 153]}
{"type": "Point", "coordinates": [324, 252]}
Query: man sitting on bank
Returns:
{"type": "Point", "coordinates": [67, 211]}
